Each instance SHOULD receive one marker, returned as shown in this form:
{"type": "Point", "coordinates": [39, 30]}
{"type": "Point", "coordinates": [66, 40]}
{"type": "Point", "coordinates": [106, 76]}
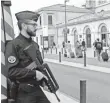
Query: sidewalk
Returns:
{"type": "Point", "coordinates": [90, 61]}
{"type": "Point", "coordinates": [63, 98]}
{"type": "Point", "coordinates": [89, 51]}
{"type": "Point", "coordinates": [79, 65]}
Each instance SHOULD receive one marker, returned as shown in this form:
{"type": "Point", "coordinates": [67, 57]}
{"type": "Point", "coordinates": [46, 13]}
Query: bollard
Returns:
{"type": "Point", "coordinates": [43, 53]}
{"type": "Point", "coordinates": [59, 56]}
{"type": "Point", "coordinates": [51, 50]}
{"type": "Point", "coordinates": [82, 91]}
{"type": "Point", "coordinates": [62, 50]}
{"type": "Point", "coordinates": [94, 53]}
{"type": "Point", "coordinates": [56, 50]}
{"type": "Point", "coordinates": [85, 58]}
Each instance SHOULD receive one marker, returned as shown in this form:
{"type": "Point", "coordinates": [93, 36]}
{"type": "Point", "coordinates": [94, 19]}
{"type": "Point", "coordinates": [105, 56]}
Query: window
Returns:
{"type": "Point", "coordinates": [80, 36]}
{"type": "Point", "coordinates": [49, 19]}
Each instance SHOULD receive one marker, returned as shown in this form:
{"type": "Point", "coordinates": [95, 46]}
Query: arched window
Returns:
{"type": "Point", "coordinates": [104, 35]}
{"type": "Point", "coordinates": [88, 31]}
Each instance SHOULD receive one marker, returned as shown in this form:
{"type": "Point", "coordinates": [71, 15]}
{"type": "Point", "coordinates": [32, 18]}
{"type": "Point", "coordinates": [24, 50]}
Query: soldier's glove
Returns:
{"type": "Point", "coordinates": [40, 67]}
{"type": "Point", "coordinates": [45, 87]}
{"type": "Point", "coordinates": [40, 76]}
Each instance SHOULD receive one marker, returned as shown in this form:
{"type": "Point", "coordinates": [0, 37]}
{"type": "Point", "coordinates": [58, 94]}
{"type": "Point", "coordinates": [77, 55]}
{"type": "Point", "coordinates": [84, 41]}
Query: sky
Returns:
{"type": "Point", "coordinates": [19, 5]}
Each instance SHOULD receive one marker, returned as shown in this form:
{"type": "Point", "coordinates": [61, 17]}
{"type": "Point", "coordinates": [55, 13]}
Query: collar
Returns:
{"type": "Point", "coordinates": [28, 39]}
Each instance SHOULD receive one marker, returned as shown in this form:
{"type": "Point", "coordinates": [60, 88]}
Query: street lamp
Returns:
{"type": "Point", "coordinates": [65, 29]}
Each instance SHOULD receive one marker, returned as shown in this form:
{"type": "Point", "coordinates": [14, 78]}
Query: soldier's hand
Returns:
{"type": "Point", "coordinates": [40, 76]}
{"type": "Point", "coordinates": [40, 66]}
{"type": "Point", "coordinates": [45, 87]}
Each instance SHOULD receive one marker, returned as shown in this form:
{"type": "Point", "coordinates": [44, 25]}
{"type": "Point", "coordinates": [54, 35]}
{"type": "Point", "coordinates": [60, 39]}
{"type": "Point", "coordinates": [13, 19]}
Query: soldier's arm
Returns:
{"type": "Point", "coordinates": [12, 64]}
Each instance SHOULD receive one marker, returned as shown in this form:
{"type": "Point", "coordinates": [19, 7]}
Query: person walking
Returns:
{"type": "Point", "coordinates": [18, 62]}
{"type": "Point", "coordinates": [83, 44]}
{"type": "Point", "coordinates": [78, 50]}
{"type": "Point", "coordinates": [68, 48]}
{"type": "Point", "coordinates": [109, 43]}
{"type": "Point", "coordinates": [94, 44]}
{"type": "Point", "coordinates": [99, 47]}
{"type": "Point", "coordinates": [63, 44]}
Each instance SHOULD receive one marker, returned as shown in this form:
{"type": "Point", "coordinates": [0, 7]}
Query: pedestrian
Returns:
{"type": "Point", "coordinates": [83, 44]}
{"type": "Point", "coordinates": [80, 41]}
{"type": "Point", "coordinates": [99, 47]}
{"type": "Point", "coordinates": [94, 43]}
{"type": "Point", "coordinates": [109, 43]}
{"type": "Point", "coordinates": [104, 42]}
{"type": "Point", "coordinates": [109, 47]}
{"type": "Point", "coordinates": [78, 50]}
{"type": "Point", "coordinates": [63, 44]}
{"type": "Point", "coordinates": [68, 48]}
{"type": "Point", "coordinates": [27, 79]}
{"type": "Point", "coordinates": [54, 45]}
{"type": "Point", "coordinates": [95, 52]}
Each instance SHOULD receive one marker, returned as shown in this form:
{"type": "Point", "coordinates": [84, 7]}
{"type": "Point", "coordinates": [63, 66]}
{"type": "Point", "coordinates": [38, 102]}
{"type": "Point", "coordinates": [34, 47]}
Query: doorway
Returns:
{"type": "Point", "coordinates": [104, 35]}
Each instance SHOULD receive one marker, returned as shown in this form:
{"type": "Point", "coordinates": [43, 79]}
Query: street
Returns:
{"type": "Point", "coordinates": [97, 83]}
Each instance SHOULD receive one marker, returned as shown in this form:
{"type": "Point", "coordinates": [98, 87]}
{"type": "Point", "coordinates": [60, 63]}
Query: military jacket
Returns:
{"type": "Point", "coordinates": [17, 60]}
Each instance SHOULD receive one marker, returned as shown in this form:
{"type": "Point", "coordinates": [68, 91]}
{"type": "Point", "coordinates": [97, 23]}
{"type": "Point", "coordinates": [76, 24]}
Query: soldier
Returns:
{"type": "Point", "coordinates": [29, 90]}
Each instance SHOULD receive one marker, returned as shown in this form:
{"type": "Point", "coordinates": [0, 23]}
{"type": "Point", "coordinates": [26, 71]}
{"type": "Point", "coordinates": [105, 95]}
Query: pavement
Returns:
{"type": "Point", "coordinates": [89, 61]}
{"type": "Point", "coordinates": [64, 98]}
{"type": "Point", "coordinates": [92, 64]}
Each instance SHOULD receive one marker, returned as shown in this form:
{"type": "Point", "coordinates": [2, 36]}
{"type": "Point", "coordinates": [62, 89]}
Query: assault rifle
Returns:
{"type": "Point", "coordinates": [51, 82]}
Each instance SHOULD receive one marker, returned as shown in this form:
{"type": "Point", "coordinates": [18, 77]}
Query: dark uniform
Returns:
{"type": "Point", "coordinates": [29, 90]}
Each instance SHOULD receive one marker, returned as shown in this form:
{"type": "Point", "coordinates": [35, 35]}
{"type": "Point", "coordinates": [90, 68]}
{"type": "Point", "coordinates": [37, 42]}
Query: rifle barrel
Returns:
{"type": "Point", "coordinates": [57, 97]}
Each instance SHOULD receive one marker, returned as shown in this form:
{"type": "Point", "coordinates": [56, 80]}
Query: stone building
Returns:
{"type": "Point", "coordinates": [50, 17]}
{"type": "Point", "coordinates": [87, 23]}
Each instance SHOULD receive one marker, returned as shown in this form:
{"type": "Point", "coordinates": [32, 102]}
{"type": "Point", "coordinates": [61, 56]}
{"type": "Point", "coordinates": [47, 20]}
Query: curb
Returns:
{"type": "Point", "coordinates": [79, 65]}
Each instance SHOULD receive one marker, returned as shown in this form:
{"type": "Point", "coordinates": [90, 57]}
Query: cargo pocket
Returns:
{"type": "Point", "coordinates": [26, 88]}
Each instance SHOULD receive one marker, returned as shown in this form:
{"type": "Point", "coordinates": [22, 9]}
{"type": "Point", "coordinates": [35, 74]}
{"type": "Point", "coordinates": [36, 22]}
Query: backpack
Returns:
{"type": "Point", "coordinates": [99, 46]}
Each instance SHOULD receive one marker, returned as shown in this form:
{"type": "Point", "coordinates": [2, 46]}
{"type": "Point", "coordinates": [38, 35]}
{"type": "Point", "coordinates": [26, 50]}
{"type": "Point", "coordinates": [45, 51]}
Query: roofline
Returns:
{"type": "Point", "coordinates": [102, 5]}
{"type": "Point", "coordinates": [46, 7]}
{"type": "Point", "coordinates": [41, 9]}
{"type": "Point", "coordinates": [69, 20]}
{"type": "Point", "coordinates": [82, 22]}
{"type": "Point", "coordinates": [67, 11]}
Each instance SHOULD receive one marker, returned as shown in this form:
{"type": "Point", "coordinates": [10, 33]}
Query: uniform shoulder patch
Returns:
{"type": "Point", "coordinates": [11, 59]}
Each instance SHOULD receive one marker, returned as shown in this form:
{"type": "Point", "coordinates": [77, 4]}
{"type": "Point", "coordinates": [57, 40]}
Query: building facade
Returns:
{"type": "Point", "coordinates": [88, 24]}
{"type": "Point", "coordinates": [47, 32]}
{"type": "Point", "coordinates": [89, 27]}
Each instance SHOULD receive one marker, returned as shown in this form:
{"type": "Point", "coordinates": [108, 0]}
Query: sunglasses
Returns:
{"type": "Point", "coordinates": [34, 24]}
